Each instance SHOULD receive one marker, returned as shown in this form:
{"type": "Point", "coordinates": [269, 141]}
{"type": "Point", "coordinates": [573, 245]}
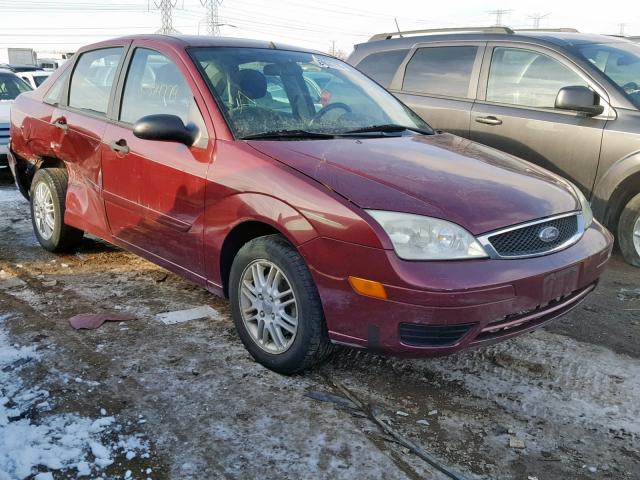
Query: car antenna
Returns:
{"type": "Point", "coordinates": [397, 26]}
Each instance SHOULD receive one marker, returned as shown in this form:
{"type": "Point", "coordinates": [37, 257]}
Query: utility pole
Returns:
{"type": "Point", "coordinates": [213, 22]}
{"type": "Point", "coordinates": [536, 17]}
{"type": "Point", "coordinates": [166, 12]}
{"type": "Point", "coordinates": [499, 14]}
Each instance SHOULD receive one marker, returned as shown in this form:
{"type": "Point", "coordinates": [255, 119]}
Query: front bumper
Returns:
{"type": "Point", "coordinates": [436, 308]}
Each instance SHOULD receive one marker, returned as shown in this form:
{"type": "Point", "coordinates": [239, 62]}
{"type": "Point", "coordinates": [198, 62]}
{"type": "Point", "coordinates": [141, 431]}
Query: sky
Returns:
{"type": "Point", "coordinates": [65, 25]}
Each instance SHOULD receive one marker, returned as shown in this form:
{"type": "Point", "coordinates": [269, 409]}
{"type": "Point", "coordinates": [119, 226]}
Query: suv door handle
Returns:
{"type": "Point", "coordinates": [490, 120]}
{"type": "Point", "coordinates": [61, 123]}
{"type": "Point", "coordinates": [119, 146]}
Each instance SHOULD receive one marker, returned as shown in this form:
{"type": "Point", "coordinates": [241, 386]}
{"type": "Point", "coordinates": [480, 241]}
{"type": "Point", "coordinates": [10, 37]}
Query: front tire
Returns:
{"type": "Point", "coordinates": [629, 231]}
{"type": "Point", "coordinates": [276, 307]}
{"type": "Point", "coordinates": [48, 195]}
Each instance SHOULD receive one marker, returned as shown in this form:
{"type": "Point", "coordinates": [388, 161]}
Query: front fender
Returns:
{"type": "Point", "coordinates": [618, 183]}
{"type": "Point", "coordinates": [224, 216]}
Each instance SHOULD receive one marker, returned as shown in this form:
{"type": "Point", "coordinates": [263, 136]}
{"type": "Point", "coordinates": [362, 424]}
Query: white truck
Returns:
{"type": "Point", "coordinates": [18, 56]}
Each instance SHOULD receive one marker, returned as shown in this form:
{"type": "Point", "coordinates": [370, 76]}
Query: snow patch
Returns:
{"type": "Point", "coordinates": [56, 442]}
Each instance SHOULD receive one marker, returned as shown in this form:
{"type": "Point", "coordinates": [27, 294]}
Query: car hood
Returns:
{"type": "Point", "coordinates": [5, 109]}
{"type": "Point", "coordinates": [443, 176]}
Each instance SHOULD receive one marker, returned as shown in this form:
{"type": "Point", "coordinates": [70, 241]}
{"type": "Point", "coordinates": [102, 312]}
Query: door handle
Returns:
{"type": "Point", "coordinates": [61, 123]}
{"type": "Point", "coordinates": [490, 120]}
{"type": "Point", "coordinates": [120, 146]}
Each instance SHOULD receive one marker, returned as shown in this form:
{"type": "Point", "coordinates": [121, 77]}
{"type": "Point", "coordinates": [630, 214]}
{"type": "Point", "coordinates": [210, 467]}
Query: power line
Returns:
{"type": "Point", "coordinates": [536, 17]}
{"type": "Point", "coordinates": [213, 21]}
{"type": "Point", "coordinates": [166, 12]}
{"type": "Point", "coordinates": [499, 14]}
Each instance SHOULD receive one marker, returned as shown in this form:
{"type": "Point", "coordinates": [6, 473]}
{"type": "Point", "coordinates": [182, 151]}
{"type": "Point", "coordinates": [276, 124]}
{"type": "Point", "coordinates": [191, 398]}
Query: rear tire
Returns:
{"type": "Point", "coordinates": [256, 304]}
{"type": "Point", "coordinates": [629, 231]}
{"type": "Point", "coordinates": [47, 197]}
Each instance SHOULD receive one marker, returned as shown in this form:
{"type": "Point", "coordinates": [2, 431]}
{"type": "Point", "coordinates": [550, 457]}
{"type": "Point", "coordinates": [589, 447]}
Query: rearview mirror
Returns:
{"type": "Point", "coordinates": [579, 99]}
{"type": "Point", "coordinates": [167, 128]}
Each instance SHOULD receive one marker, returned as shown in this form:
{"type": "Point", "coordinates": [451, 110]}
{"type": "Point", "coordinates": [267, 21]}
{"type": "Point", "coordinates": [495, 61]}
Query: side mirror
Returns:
{"type": "Point", "coordinates": [579, 99]}
{"type": "Point", "coordinates": [166, 128]}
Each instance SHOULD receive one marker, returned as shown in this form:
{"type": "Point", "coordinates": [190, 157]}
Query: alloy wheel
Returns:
{"type": "Point", "coordinates": [636, 235]}
{"type": "Point", "coordinates": [268, 306]}
{"type": "Point", "coordinates": [43, 211]}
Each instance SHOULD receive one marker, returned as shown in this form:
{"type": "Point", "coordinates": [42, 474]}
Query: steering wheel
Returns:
{"type": "Point", "coordinates": [627, 87]}
{"type": "Point", "coordinates": [331, 106]}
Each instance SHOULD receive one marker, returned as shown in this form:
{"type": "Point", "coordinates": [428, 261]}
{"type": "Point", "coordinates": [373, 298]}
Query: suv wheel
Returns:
{"type": "Point", "coordinates": [629, 231]}
{"type": "Point", "coordinates": [48, 195]}
{"type": "Point", "coordinates": [276, 307]}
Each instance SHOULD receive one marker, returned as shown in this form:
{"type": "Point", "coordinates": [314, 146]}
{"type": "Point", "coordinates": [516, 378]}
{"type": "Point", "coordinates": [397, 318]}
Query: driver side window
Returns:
{"type": "Point", "coordinates": [527, 78]}
{"type": "Point", "coordinates": [155, 85]}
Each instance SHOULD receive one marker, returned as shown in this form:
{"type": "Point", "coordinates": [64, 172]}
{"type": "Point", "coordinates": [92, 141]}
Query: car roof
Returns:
{"type": "Point", "coordinates": [185, 41]}
{"type": "Point", "coordinates": [565, 37]}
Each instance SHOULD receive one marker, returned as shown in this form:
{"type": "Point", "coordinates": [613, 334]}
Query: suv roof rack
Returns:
{"type": "Point", "coordinates": [571, 30]}
{"type": "Point", "coordinates": [387, 36]}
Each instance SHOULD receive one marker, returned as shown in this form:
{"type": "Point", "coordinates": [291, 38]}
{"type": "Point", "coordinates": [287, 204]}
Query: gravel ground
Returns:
{"type": "Point", "coordinates": [186, 401]}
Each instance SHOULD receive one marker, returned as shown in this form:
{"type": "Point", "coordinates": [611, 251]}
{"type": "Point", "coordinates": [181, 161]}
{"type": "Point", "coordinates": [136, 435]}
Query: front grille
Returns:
{"type": "Point", "coordinates": [527, 241]}
{"type": "Point", "coordinates": [4, 133]}
{"type": "Point", "coordinates": [432, 335]}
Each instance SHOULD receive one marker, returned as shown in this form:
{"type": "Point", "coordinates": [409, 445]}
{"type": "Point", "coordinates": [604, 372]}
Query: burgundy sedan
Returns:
{"type": "Point", "coordinates": [321, 206]}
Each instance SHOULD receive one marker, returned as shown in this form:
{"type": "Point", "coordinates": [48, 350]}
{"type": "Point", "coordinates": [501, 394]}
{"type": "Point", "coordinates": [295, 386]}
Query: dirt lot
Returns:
{"type": "Point", "coordinates": [143, 399]}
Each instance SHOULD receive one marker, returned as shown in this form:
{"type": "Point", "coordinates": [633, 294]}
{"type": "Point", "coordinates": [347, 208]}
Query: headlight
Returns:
{"type": "Point", "coordinates": [587, 214]}
{"type": "Point", "coordinates": [415, 237]}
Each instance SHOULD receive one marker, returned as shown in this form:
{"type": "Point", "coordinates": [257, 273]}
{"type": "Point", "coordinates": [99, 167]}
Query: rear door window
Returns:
{"type": "Point", "coordinates": [93, 78]}
{"type": "Point", "coordinates": [54, 95]}
{"type": "Point", "coordinates": [527, 78]}
{"type": "Point", "coordinates": [382, 66]}
{"type": "Point", "coordinates": [443, 70]}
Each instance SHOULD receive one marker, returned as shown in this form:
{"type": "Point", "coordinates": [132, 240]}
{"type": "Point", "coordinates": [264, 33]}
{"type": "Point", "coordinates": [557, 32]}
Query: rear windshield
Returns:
{"type": "Point", "coordinates": [620, 62]}
{"type": "Point", "coordinates": [11, 86]}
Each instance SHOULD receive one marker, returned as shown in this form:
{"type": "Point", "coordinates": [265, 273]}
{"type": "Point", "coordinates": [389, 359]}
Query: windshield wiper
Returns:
{"type": "Point", "coordinates": [287, 134]}
{"type": "Point", "coordinates": [388, 128]}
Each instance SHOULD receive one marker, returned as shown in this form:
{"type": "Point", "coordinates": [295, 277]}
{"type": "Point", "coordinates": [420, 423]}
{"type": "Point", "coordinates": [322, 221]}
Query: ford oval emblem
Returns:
{"type": "Point", "coordinates": [549, 234]}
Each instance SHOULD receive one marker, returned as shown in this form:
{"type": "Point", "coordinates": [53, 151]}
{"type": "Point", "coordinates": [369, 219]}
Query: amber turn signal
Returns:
{"type": "Point", "coordinates": [368, 288]}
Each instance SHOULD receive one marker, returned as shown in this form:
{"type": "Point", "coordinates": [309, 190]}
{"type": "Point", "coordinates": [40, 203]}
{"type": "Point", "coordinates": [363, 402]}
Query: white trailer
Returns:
{"type": "Point", "coordinates": [18, 56]}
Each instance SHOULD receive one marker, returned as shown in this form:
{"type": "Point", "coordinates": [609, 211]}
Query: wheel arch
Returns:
{"type": "Point", "coordinates": [259, 215]}
{"type": "Point", "coordinates": [618, 185]}
{"type": "Point", "coordinates": [24, 171]}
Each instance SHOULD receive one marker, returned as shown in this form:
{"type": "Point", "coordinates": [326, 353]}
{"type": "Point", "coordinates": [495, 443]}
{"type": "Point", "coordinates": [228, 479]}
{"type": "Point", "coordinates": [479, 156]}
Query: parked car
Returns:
{"type": "Point", "coordinates": [35, 78]}
{"type": "Point", "coordinates": [351, 223]}
{"type": "Point", "coordinates": [10, 87]}
{"type": "Point", "coordinates": [564, 100]}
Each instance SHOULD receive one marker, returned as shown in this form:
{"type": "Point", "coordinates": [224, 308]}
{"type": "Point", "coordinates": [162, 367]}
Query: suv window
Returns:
{"type": "Point", "coordinates": [155, 85]}
{"type": "Point", "coordinates": [92, 79]}
{"type": "Point", "coordinates": [441, 71]}
{"type": "Point", "coordinates": [382, 66]}
{"type": "Point", "coordinates": [527, 78]}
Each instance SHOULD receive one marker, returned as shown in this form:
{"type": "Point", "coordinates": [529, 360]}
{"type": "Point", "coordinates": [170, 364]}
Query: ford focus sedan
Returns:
{"type": "Point", "coordinates": [322, 207]}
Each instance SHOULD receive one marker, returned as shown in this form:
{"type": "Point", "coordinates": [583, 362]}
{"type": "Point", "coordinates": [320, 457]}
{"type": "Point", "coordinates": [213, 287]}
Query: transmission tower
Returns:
{"type": "Point", "coordinates": [622, 27]}
{"type": "Point", "coordinates": [499, 14]}
{"type": "Point", "coordinates": [213, 22]}
{"type": "Point", "coordinates": [166, 11]}
{"type": "Point", "coordinates": [536, 17]}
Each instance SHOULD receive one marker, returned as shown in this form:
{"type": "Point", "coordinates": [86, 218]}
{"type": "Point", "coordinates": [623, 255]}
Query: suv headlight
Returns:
{"type": "Point", "coordinates": [415, 237]}
{"type": "Point", "coordinates": [587, 213]}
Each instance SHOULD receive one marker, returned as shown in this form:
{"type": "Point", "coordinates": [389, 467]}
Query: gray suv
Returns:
{"type": "Point", "coordinates": [567, 101]}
